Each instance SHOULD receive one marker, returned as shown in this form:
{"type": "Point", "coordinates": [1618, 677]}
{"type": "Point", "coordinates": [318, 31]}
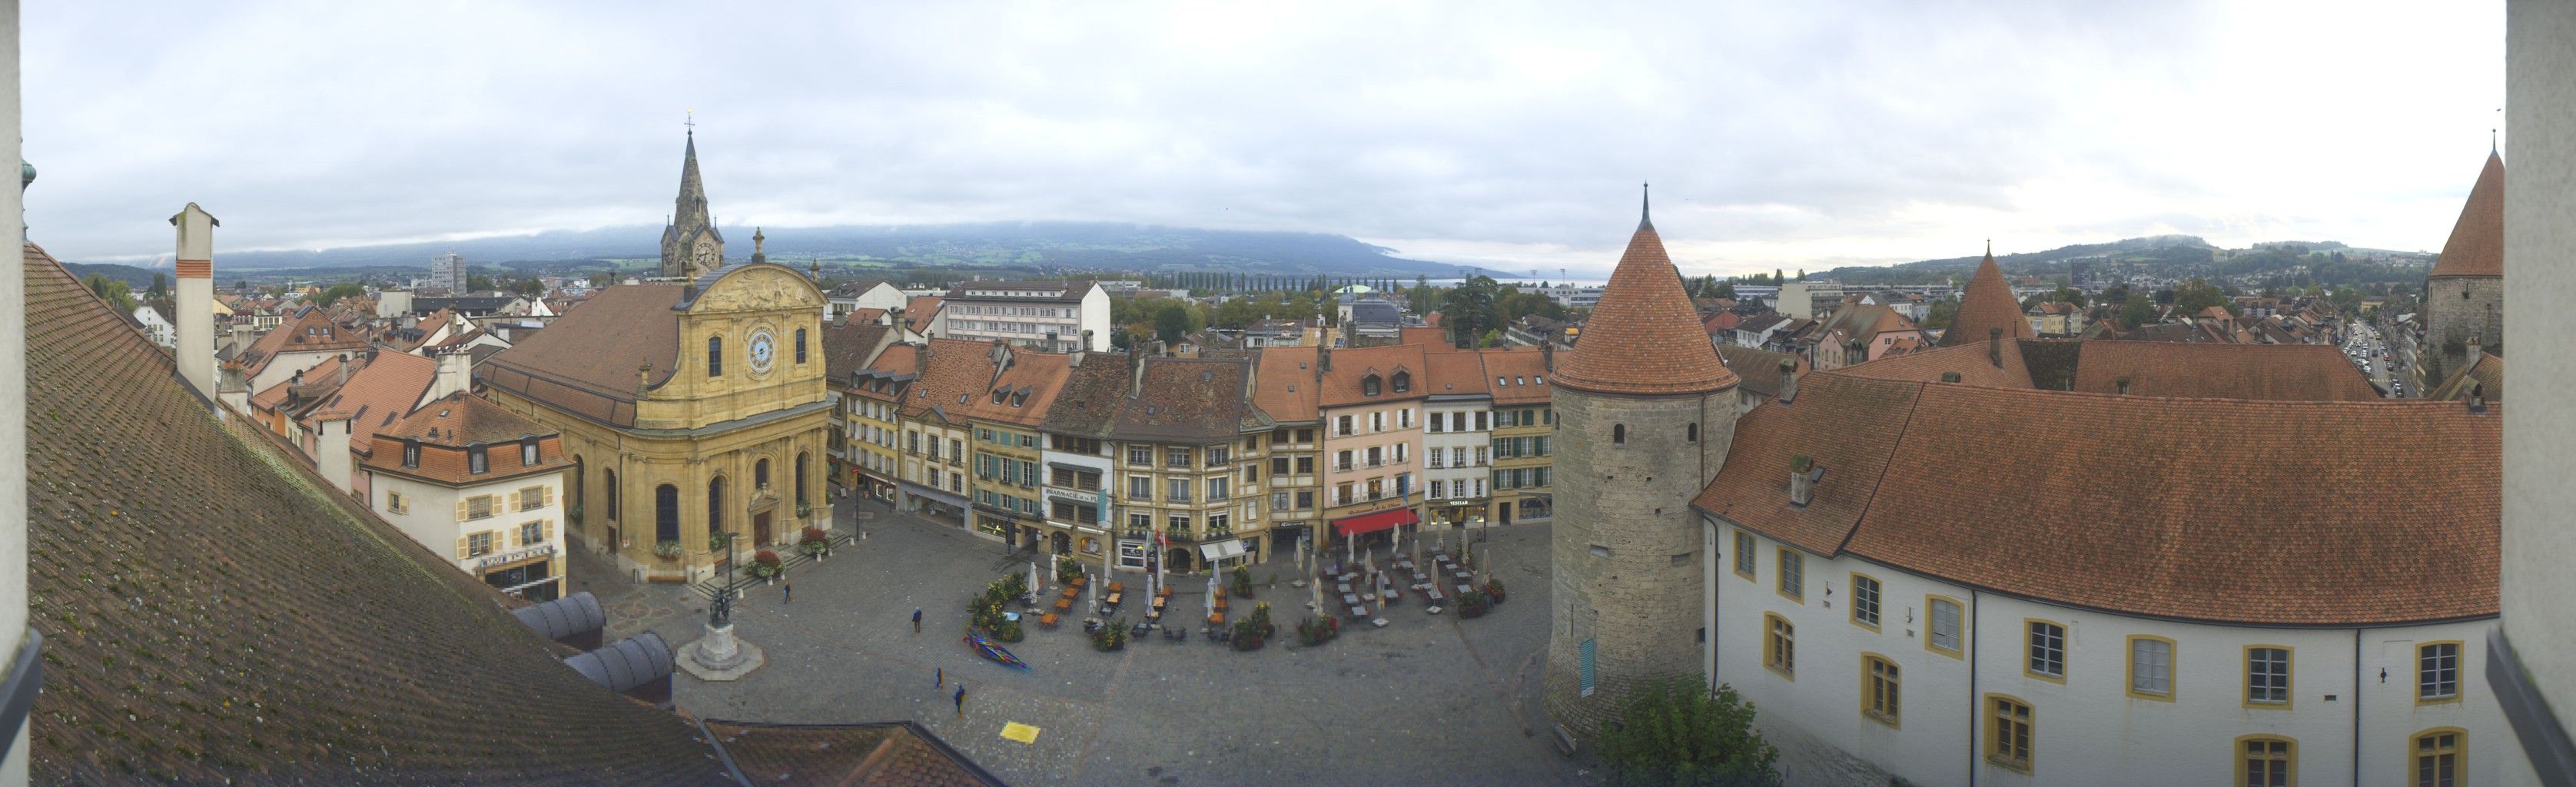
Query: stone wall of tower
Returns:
{"type": "Point", "coordinates": [2451, 321]}
{"type": "Point", "coordinates": [1626, 545]}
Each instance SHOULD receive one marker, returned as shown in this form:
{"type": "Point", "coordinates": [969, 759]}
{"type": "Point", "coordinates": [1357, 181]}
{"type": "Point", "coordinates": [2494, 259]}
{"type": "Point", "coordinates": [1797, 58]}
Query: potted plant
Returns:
{"type": "Point", "coordinates": [667, 550]}
{"type": "Point", "coordinates": [1471, 604]}
{"type": "Point", "coordinates": [1013, 585]}
{"type": "Point", "coordinates": [1314, 632]}
{"type": "Point", "coordinates": [1009, 631]}
{"type": "Point", "coordinates": [1068, 571]}
{"type": "Point", "coordinates": [814, 543]}
{"type": "Point", "coordinates": [1494, 590]}
{"type": "Point", "coordinates": [1112, 636]}
{"type": "Point", "coordinates": [1243, 582]}
{"type": "Point", "coordinates": [766, 565]}
{"type": "Point", "coordinates": [804, 510]}
{"type": "Point", "coordinates": [717, 542]}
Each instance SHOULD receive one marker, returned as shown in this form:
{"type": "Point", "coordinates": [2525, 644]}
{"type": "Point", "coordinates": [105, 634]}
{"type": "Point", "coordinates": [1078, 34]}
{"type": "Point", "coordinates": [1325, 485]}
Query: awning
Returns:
{"type": "Point", "coordinates": [1371, 523]}
{"type": "Point", "coordinates": [1220, 550]}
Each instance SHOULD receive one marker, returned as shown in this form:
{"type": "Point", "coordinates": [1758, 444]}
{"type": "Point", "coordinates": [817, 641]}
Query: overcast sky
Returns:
{"type": "Point", "coordinates": [1776, 134]}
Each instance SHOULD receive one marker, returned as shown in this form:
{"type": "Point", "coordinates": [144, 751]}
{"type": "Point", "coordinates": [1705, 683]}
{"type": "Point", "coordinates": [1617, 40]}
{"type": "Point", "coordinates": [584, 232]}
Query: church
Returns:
{"type": "Point", "coordinates": [690, 408]}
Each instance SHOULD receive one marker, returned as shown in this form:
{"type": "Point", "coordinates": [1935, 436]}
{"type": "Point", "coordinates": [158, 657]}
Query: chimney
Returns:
{"type": "Point", "coordinates": [921, 361]}
{"type": "Point", "coordinates": [1135, 375]}
{"type": "Point", "coordinates": [1324, 358]}
{"type": "Point", "coordinates": [196, 297]}
{"type": "Point", "coordinates": [2474, 349]}
{"type": "Point", "coordinates": [1086, 340]}
{"type": "Point", "coordinates": [331, 452]}
{"type": "Point", "coordinates": [1802, 480]}
{"type": "Point", "coordinates": [2478, 397]}
{"type": "Point", "coordinates": [2124, 384]}
{"type": "Point", "coordinates": [1995, 346]}
{"type": "Point", "coordinates": [1949, 377]}
{"type": "Point", "coordinates": [455, 373]}
{"type": "Point", "coordinates": [1547, 356]}
{"type": "Point", "coordinates": [1788, 381]}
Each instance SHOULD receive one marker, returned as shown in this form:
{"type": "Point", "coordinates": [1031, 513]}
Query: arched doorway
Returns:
{"type": "Point", "coordinates": [1063, 543]}
{"type": "Point", "coordinates": [1179, 561]}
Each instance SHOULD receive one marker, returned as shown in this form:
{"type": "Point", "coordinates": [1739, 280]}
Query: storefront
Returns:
{"type": "Point", "coordinates": [935, 505]}
{"type": "Point", "coordinates": [877, 488]}
{"type": "Point", "coordinates": [1458, 514]}
{"type": "Point", "coordinates": [1370, 529]}
{"type": "Point", "coordinates": [529, 573]}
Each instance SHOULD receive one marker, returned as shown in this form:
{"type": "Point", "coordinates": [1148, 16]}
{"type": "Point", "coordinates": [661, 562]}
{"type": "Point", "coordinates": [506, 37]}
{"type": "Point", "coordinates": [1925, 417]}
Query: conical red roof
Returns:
{"type": "Point", "coordinates": [1988, 303]}
{"type": "Point", "coordinates": [2476, 247]}
{"type": "Point", "coordinates": [1644, 338]}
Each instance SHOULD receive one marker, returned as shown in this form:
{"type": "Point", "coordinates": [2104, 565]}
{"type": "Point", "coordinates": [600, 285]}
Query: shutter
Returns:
{"type": "Point", "coordinates": [460, 508]}
{"type": "Point", "coordinates": [547, 497]}
{"type": "Point", "coordinates": [1587, 667]}
{"type": "Point", "coordinates": [461, 548]}
{"type": "Point", "coordinates": [547, 532]}
{"type": "Point", "coordinates": [515, 499]}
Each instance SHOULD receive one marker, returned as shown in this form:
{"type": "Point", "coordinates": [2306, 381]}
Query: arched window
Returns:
{"type": "Point", "coordinates": [1694, 433]}
{"type": "Point", "coordinates": [666, 513]}
{"type": "Point", "coordinates": [579, 483]}
{"type": "Point", "coordinates": [1618, 433]}
{"type": "Point", "coordinates": [715, 356]}
{"type": "Point", "coordinates": [800, 477]}
{"type": "Point", "coordinates": [715, 505]}
{"type": "Point", "coordinates": [760, 474]}
{"type": "Point", "coordinates": [609, 486]}
{"type": "Point", "coordinates": [800, 345]}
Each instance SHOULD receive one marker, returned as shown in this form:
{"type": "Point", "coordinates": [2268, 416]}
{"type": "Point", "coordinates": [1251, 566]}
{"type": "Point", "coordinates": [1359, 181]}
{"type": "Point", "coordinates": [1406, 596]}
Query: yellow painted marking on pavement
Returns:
{"type": "Point", "coordinates": [1020, 732]}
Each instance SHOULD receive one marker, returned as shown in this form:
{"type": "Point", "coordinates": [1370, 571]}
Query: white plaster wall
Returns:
{"type": "Point", "coordinates": [1094, 318]}
{"type": "Point", "coordinates": [2539, 245]}
{"type": "Point", "coordinates": [431, 513]}
{"type": "Point", "coordinates": [2088, 729]}
{"type": "Point", "coordinates": [1470, 440]}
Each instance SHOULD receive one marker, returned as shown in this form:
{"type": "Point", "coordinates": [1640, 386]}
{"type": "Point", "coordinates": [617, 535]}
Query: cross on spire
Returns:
{"type": "Point", "coordinates": [1645, 206]}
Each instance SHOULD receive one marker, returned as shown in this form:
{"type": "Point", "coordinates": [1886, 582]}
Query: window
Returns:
{"type": "Point", "coordinates": [1793, 575]}
{"type": "Point", "coordinates": [478, 460]}
{"type": "Point", "coordinates": [1694, 433]}
{"type": "Point", "coordinates": [1342, 460]}
{"type": "Point", "coordinates": [1744, 554]}
{"type": "Point", "coordinates": [532, 533]}
{"type": "Point", "coordinates": [394, 503]}
{"type": "Point", "coordinates": [760, 473]}
{"type": "Point", "coordinates": [1944, 634]}
{"type": "Point", "coordinates": [2151, 665]}
{"type": "Point", "coordinates": [2437, 672]}
{"type": "Point", "coordinates": [1780, 646]}
{"type": "Point", "coordinates": [1178, 523]}
{"type": "Point", "coordinates": [2047, 651]}
{"type": "Point", "coordinates": [1305, 499]}
{"type": "Point", "coordinates": [1278, 501]}
{"type": "Point", "coordinates": [1878, 692]}
{"type": "Point", "coordinates": [411, 453]}
{"type": "Point", "coordinates": [1480, 421]}
{"type": "Point", "coordinates": [1864, 601]}
{"type": "Point", "coordinates": [1177, 457]}
{"type": "Point", "coordinates": [1305, 465]}
{"type": "Point", "coordinates": [476, 507]}
{"type": "Point", "coordinates": [1435, 424]}
{"type": "Point", "coordinates": [535, 497]}
{"type": "Point", "coordinates": [1377, 422]}
{"type": "Point", "coordinates": [800, 345]}
{"type": "Point", "coordinates": [1217, 488]}
{"type": "Point", "coordinates": [1278, 466]}
{"type": "Point", "coordinates": [715, 356]}
{"type": "Point", "coordinates": [1140, 487]}
{"type": "Point", "coordinates": [2008, 732]}
{"type": "Point", "coordinates": [1369, 385]}
{"type": "Point", "coordinates": [666, 513]}
{"type": "Point", "coordinates": [1218, 524]}
{"type": "Point", "coordinates": [1177, 490]}
{"type": "Point", "coordinates": [1139, 455]}
{"type": "Point", "coordinates": [2267, 676]}
{"type": "Point", "coordinates": [2268, 761]}
{"type": "Point", "coordinates": [479, 544]}
{"type": "Point", "coordinates": [528, 452]}
{"type": "Point", "coordinates": [1618, 434]}
{"type": "Point", "coordinates": [2437, 757]}
{"type": "Point", "coordinates": [1403, 382]}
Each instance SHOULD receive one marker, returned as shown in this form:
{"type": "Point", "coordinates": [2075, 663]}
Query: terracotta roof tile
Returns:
{"type": "Point", "coordinates": [853, 755]}
{"type": "Point", "coordinates": [1643, 337]}
{"type": "Point", "coordinates": [2290, 537]}
{"type": "Point", "coordinates": [1521, 373]}
{"type": "Point", "coordinates": [1987, 303]}
{"type": "Point", "coordinates": [387, 387]}
{"type": "Point", "coordinates": [2486, 376]}
{"type": "Point", "coordinates": [1455, 372]}
{"type": "Point", "coordinates": [1759, 370]}
{"type": "Point", "coordinates": [2476, 247]}
{"type": "Point", "coordinates": [1341, 384]}
{"type": "Point", "coordinates": [1284, 384]}
{"type": "Point", "coordinates": [1092, 393]}
{"type": "Point", "coordinates": [586, 361]}
{"type": "Point", "coordinates": [1187, 400]}
{"type": "Point", "coordinates": [1433, 338]}
{"type": "Point", "coordinates": [2268, 372]}
{"type": "Point", "coordinates": [847, 345]}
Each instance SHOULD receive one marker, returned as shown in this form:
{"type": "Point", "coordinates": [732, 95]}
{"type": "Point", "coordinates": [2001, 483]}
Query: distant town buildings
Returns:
{"type": "Point", "coordinates": [448, 271]}
{"type": "Point", "coordinates": [1050, 316]}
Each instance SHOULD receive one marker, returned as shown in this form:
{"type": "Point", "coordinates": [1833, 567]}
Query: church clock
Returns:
{"type": "Point", "coordinates": [707, 257]}
{"type": "Point", "coordinates": [764, 349]}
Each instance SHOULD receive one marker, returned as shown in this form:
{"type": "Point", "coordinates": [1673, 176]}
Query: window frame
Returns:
{"type": "Point", "coordinates": [1877, 601]}
{"type": "Point", "coordinates": [2459, 751]}
{"type": "Point", "coordinates": [2289, 755]}
{"type": "Point", "coordinates": [1891, 712]}
{"type": "Point", "coordinates": [2173, 662]}
{"type": "Point", "coordinates": [1932, 618]}
{"type": "Point", "coordinates": [2028, 761]}
{"type": "Point", "coordinates": [2459, 655]}
{"type": "Point", "coordinates": [2028, 644]}
{"type": "Point", "coordinates": [1748, 560]}
{"type": "Point", "coordinates": [1780, 646]}
{"type": "Point", "coordinates": [2289, 677]}
{"type": "Point", "coordinates": [1781, 562]}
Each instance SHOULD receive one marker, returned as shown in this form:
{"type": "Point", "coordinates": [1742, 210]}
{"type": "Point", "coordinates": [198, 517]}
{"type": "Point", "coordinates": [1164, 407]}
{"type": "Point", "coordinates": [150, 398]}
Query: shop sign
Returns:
{"type": "Point", "coordinates": [503, 558]}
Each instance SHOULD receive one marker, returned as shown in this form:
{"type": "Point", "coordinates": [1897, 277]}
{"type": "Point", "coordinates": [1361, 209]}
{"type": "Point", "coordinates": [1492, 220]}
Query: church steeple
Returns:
{"type": "Point", "coordinates": [690, 243]}
{"type": "Point", "coordinates": [691, 207]}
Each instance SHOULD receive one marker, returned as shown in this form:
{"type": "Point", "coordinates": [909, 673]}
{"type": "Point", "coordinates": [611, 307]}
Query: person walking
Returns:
{"type": "Point", "coordinates": [786, 592]}
{"type": "Point", "coordinates": [961, 699]}
{"type": "Point", "coordinates": [916, 621]}
{"type": "Point", "coordinates": [942, 677]}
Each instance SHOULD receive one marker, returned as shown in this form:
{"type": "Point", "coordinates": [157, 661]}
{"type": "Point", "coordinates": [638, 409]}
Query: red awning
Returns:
{"type": "Point", "coordinates": [1371, 523]}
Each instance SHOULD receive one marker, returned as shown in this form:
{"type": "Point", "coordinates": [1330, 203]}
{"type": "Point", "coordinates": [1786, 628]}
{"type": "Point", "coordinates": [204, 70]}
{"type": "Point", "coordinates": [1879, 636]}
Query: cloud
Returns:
{"type": "Point", "coordinates": [1492, 132]}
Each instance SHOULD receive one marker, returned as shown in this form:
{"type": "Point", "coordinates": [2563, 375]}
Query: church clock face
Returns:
{"type": "Point", "coordinates": [764, 349]}
{"type": "Point", "coordinates": [706, 257]}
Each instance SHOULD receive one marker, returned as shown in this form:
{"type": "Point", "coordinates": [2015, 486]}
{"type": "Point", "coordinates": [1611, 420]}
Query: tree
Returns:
{"type": "Point", "coordinates": [160, 285]}
{"type": "Point", "coordinates": [603, 279]}
{"type": "Point", "coordinates": [2069, 295]}
{"type": "Point", "coordinates": [1468, 309]}
{"type": "Point", "coordinates": [1726, 290]}
{"type": "Point", "coordinates": [333, 293]}
{"type": "Point", "coordinates": [1172, 321]}
{"type": "Point", "coordinates": [2193, 296]}
{"type": "Point", "coordinates": [1940, 315]}
{"type": "Point", "coordinates": [528, 286]}
{"type": "Point", "coordinates": [2137, 310]}
{"type": "Point", "coordinates": [1676, 733]}
{"type": "Point", "coordinates": [114, 292]}
{"type": "Point", "coordinates": [478, 282]}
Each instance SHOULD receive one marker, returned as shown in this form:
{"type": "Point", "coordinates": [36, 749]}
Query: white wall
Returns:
{"type": "Point", "coordinates": [430, 512]}
{"type": "Point", "coordinates": [2089, 729]}
{"type": "Point", "coordinates": [2540, 239]}
{"type": "Point", "coordinates": [1095, 318]}
{"type": "Point", "coordinates": [1471, 440]}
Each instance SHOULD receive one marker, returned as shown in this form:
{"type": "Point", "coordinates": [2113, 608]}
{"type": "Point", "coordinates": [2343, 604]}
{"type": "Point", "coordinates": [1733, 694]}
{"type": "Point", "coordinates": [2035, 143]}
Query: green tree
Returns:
{"type": "Point", "coordinates": [2137, 310]}
{"type": "Point", "coordinates": [114, 292]}
{"type": "Point", "coordinates": [2193, 296]}
{"type": "Point", "coordinates": [333, 293]}
{"type": "Point", "coordinates": [1676, 733]}
{"type": "Point", "coordinates": [478, 282]}
{"type": "Point", "coordinates": [160, 285]}
{"type": "Point", "coordinates": [603, 279]}
{"type": "Point", "coordinates": [1172, 321]}
{"type": "Point", "coordinates": [2069, 295]}
{"type": "Point", "coordinates": [1726, 289]}
{"type": "Point", "coordinates": [1468, 309]}
{"type": "Point", "coordinates": [528, 286]}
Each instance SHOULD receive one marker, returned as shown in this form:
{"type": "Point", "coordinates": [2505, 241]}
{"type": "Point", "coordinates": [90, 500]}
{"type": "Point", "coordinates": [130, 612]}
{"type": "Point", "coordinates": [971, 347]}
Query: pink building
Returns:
{"type": "Point", "coordinates": [1370, 401]}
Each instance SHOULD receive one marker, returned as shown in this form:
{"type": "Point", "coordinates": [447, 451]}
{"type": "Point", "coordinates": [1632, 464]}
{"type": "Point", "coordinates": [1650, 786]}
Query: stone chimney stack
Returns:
{"type": "Point", "coordinates": [2124, 385]}
{"type": "Point", "coordinates": [196, 297]}
{"type": "Point", "coordinates": [2475, 347]}
{"type": "Point", "coordinates": [1547, 355]}
{"type": "Point", "coordinates": [1788, 381]}
{"type": "Point", "coordinates": [455, 373]}
{"type": "Point", "coordinates": [1995, 346]}
{"type": "Point", "coordinates": [1324, 358]}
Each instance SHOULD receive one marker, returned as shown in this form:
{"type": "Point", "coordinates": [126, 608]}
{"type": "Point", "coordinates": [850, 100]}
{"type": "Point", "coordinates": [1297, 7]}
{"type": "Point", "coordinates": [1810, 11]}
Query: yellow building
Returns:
{"type": "Point", "coordinates": [875, 429]}
{"type": "Point", "coordinates": [1007, 454]}
{"type": "Point", "coordinates": [688, 411]}
{"type": "Point", "coordinates": [1524, 437]}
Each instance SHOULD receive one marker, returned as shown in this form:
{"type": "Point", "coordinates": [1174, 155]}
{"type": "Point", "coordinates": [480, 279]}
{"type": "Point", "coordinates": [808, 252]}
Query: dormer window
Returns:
{"type": "Point", "coordinates": [411, 453]}
{"type": "Point", "coordinates": [1019, 399]}
{"type": "Point", "coordinates": [477, 460]}
{"type": "Point", "coordinates": [1369, 385]}
{"type": "Point", "coordinates": [528, 452]}
{"type": "Point", "coordinates": [998, 393]}
{"type": "Point", "coordinates": [1403, 382]}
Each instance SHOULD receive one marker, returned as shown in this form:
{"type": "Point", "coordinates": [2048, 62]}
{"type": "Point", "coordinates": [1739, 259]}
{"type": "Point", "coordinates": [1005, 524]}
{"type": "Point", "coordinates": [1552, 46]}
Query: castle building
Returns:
{"type": "Point", "coordinates": [1987, 308]}
{"type": "Point", "coordinates": [691, 245]}
{"type": "Point", "coordinates": [2464, 295]}
{"type": "Point", "coordinates": [1644, 412]}
{"type": "Point", "coordinates": [688, 410]}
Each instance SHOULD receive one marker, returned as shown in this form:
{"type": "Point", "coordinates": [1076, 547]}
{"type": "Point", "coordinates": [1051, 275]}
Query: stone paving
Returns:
{"type": "Point", "coordinates": [1428, 700]}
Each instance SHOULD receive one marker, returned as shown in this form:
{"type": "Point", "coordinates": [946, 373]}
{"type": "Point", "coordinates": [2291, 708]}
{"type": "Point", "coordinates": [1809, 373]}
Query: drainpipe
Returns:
{"type": "Point", "coordinates": [2356, 707]}
{"type": "Point", "coordinates": [1976, 703]}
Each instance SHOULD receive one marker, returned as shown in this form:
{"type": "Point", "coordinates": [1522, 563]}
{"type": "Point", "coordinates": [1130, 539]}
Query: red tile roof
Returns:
{"type": "Point", "coordinates": [1457, 373]}
{"type": "Point", "coordinates": [1433, 338]}
{"type": "Point", "coordinates": [1521, 373]}
{"type": "Point", "coordinates": [1341, 386]}
{"type": "Point", "coordinates": [2262, 372]}
{"type": "Point", "coordinates": [2285, 537]}
{"type": "Point", "coordinates": [1284, 384]}
{"type": "Point", "coordinates": [450, 425]}
{"type": "Point", "coordinates": [1986, 304]}
{"type": "Point", "coordinates": [2476, 247]}
{"type": "Point", "coordinates": [377, 395]}
{"type": "Point", "coordinates": [1643, 337]}
{"type": "Point", "coordinates": [586, 361]}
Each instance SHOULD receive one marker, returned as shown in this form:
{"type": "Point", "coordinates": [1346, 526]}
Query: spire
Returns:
{"type": "Point", "coordinates": [756, 238]}
{"type": "Point", "coordinates": [690, 209]}
{"type": "Point", "coordinates": [1986, 305]}
{"type": "Point", "coordinates": [1645, 207]}
{"type": "Point", "coordinates": [2476, 246]}
{"type": "Point", "coordinates": [1639, 340]}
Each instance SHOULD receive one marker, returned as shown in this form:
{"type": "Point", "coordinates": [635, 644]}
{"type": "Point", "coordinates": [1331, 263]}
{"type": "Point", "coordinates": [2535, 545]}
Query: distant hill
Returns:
{"type": "Point", "coordinates": [2166, 256]}
{"type": "Point", "coordinates": [1038, 247]}
{"type": "Point", "coordinates": [138, 278]}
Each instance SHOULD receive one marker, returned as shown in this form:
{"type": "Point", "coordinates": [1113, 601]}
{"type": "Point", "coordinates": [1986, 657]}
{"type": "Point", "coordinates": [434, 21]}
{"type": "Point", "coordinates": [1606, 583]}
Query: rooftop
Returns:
{"type": "Point", "coordinates": [1644, 338]}
{"type": "Point", "coordinates": [2476, 247]}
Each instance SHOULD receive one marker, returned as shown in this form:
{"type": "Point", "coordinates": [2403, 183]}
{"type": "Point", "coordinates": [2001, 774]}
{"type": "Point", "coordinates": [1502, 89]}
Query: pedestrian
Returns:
{"type": "Point", "coordinates": [961, 699]}
{"type": "Point", "coordinates": [943, 677]}
{"type": "Point", "coordinates": [787, 592]}
{"type": "Point", "coordinates": [916, 621]}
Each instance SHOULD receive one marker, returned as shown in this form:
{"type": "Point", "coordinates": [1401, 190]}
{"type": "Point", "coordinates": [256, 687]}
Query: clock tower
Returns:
{"type": "Point", "coordinates": [690, 243]}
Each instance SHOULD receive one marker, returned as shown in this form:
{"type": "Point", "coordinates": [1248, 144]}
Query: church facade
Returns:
{"type": "Point", "coordinates": [689, 410]}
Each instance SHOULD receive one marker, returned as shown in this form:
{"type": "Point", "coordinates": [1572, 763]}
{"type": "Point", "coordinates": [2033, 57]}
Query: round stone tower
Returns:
{"type": "Point", "coordinates": [1644, 412]}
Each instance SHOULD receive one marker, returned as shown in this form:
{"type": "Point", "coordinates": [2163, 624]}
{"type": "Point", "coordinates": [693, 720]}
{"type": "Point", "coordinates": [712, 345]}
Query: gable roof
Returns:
{"type": "Point", "coordinates": [385, 389]}
{"type": "Point", "coordinates": [847, 346]}
{"type": "Point", "coordinates": [2262, 372]}
{"type": "Point", "coordinates": [585, 362]}
{"type": "Point", "coordinates": [1187, 400]}
{"type": "Point", "coordinates": [2486, 376]}
{"type": "Point", "coordinates": [1757, 369]}
{"type": "Point", "coordinates": [1987, 303]}
{"type": "Point", "coordinates": [1285, 384]}
{"type": "Point", "coordinates": [2476, 247]}
{"type": "Point", "coordinates": [2290, 538]}
{"type": "Point", "coordinates": [1456, 373]}
{"type": "Point", "coordinates": [1088, 402]}
{"type": "Point", "coordinates": [1341, 383]}
{"type": "Point", "coordinates": [1643, 337]}
{"type": "Point", "coordinates": [1520, 374]}
{"type": "Point", "coordinates": [308, 331]}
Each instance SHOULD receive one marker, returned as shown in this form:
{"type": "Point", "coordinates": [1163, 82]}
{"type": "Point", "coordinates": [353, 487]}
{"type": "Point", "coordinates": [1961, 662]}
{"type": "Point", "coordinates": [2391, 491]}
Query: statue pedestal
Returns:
{"type": "Point", "coordinates": [719, 656]}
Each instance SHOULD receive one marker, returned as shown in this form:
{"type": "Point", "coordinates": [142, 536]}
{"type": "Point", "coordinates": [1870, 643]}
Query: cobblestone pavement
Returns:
{"type": "Point", "coordinates": [1428, 700]}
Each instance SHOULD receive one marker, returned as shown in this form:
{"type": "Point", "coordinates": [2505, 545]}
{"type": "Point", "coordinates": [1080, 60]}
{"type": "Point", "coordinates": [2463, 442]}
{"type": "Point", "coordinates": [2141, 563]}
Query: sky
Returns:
{"type": "Point", "coordinates": [1512, 135]}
